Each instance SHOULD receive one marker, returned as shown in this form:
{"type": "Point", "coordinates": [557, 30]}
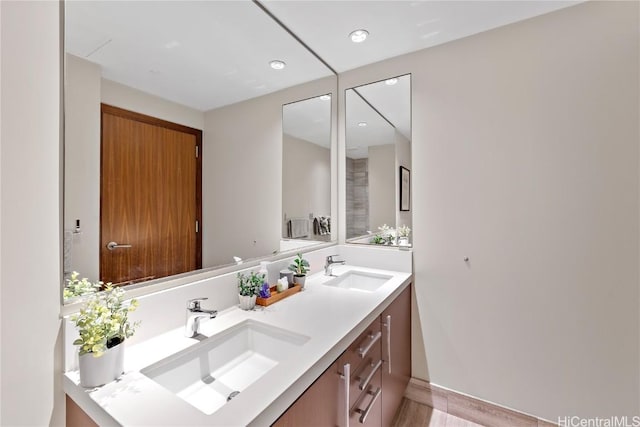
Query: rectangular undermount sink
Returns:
{"type": "Point", "coordinates": [209, 374]}
{"type": "Point", "coordinates": [359, 280]}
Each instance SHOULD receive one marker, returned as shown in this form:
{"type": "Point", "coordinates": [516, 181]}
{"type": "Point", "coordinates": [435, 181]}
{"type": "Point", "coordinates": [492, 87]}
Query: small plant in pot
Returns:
{"type": "Point", "coordinates": [300, 267]}
{"type": "Point", "coordinates": [249, 288]}
{"type": "Point", "coordinates": [103, 325]}
{"type": "Point", "coordinates": [403, 235]}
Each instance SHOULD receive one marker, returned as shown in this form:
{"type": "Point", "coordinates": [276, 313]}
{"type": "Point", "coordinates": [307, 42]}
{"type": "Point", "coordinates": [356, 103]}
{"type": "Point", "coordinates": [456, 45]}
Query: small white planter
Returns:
{"type": "Point", "coordinates": [299, 280]}
{"type": "Point", "coordinates": [247, 302]}
{"type": "Point", "coordinates": [97, 371]}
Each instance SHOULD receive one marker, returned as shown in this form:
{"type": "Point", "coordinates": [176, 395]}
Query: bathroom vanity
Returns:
{"type": "Point", "coordinates": [365, 385]}
{"type": "Point", "coordinates": [337, 353]}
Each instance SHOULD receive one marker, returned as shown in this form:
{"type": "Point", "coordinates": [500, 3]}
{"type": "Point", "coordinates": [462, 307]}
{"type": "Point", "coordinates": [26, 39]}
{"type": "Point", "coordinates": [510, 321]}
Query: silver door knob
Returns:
{"type": "Point", "coordinates": [112, 245]}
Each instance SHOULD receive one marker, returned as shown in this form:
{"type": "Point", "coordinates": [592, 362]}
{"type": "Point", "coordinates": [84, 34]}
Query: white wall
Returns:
{"type": "Point", "coordinates": [403, 158]}
{"type": "Point", "coordinates": [82, 164]}
{"type": "Point", "coordinates": [306, 179]}
{"type": "Point", "coordinates": [242, 151]}
{"type": "Point", "coordinates": [382, 186]}
{"type": "Point", "coordinates": [30, 208]}
{"type": "Point", "coordinates": [525, 159]}
{"type": "Point", "coordinates": [126, 97]}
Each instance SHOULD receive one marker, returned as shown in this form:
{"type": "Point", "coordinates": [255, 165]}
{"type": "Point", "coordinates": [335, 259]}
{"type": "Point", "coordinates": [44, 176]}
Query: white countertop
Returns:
{"type": "Point", "coordinates": [331, 317]}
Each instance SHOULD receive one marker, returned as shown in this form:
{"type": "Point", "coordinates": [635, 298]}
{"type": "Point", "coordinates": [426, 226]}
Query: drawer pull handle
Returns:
{"type": "Point", "coordinates": [364, 413]}
{"type": "Point", "coordinates": [365, 382]}
{"type": "Point", "coordinates": [374, 338]}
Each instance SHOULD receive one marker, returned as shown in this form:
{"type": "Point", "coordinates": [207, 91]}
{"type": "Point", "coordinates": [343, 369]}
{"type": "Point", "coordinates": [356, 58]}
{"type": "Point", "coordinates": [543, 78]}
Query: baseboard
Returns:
{"type": "Point", "coordinates": [468, 407]}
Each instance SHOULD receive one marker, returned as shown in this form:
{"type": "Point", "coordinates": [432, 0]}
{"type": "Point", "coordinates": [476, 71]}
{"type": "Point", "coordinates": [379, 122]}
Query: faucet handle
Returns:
{"type": "Point", "coordinates": [330, 259]}
{"type": "Point", "coordinates": [194, 304]}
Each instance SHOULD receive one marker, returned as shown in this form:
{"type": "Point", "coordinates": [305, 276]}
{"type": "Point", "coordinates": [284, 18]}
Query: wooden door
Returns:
{"type": "Point", "coordinates": [150, 197]}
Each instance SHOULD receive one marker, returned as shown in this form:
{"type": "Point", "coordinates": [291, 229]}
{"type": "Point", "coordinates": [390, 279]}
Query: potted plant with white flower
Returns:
{"type": "Point", "coordinates": [403, 235]}
{"type": "Point", "coordinates": [249, 288]}
{"type": "Point", "coordinates": [384, 236]}
{"type": "Point", "coordinates": [103, 325]}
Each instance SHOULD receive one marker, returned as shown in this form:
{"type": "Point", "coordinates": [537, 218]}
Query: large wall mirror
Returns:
{"type": "Point", "coordinates": [179, 154]}
{"type": "Point", "coordinates": [378, 164]}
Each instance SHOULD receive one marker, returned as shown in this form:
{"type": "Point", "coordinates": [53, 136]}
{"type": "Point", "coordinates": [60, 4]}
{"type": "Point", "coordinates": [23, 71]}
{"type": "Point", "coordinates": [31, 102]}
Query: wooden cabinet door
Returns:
{"type": "Point", "coordinates": [318, 405]}
{"type": "Point", "coordinates": [396, 353]}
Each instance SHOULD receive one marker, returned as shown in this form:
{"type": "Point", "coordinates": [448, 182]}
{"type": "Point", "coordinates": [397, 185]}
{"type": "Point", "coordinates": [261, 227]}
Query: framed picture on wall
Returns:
{"type": "Point", "coordinates": [405, 189]}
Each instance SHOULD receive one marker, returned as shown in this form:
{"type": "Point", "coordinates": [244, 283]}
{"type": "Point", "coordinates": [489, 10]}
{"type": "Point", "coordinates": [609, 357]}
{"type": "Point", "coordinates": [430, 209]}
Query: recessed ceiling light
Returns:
{"type": "Point", "coordinates": [362, 124]}
{"type": "Point", "coordinates": [325, 97]}
{"type": "Point", "coordinates": [277, 64]}
{"type": "Point", "coordinates": [391, 82]}
{"type": "Point", "coordinates": [358, 36]}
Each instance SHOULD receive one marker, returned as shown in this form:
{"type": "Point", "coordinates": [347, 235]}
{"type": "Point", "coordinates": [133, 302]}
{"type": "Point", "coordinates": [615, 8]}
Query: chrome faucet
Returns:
{"type": "Point", "coordinates": [328, 265]}
{"type": "Point", "coordinates": [194, 314]}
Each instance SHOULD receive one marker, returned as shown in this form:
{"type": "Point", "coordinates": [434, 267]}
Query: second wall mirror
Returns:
{"type": "Point", "coordinates": [378, 164]}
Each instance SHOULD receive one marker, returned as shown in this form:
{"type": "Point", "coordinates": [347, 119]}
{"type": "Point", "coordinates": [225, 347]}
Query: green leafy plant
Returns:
{"type": "Point", "coordinates": [378, 240]}
{"type": "Point", "coordinates": [250, 285]}
{"type": "Point", "coordinates": [299, 266]}
{"type": "Point", "coordinates": [103, 321]}
{"type": "Point", "coordinates": [76, 287]}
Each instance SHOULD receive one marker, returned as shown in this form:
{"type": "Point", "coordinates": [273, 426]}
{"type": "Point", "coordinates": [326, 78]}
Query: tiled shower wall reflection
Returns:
{"type": "Point", "coordinates": [357, 197]}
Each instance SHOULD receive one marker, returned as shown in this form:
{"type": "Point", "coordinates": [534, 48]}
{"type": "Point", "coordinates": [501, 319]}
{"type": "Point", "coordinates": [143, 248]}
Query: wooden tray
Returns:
{"type": "Point", "coordinates": [277, 296]}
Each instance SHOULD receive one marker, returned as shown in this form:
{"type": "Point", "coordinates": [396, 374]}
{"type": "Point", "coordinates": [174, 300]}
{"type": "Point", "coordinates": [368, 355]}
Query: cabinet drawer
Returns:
{"type": "Point", "coordinates": [366, 347]}
{"type": "Point", "coordinates": [367, 408]}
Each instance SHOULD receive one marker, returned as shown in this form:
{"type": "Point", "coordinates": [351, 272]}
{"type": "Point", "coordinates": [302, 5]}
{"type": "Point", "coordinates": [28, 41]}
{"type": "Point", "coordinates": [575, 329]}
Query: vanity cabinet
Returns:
{"type": "Point", "coordinates": [75, 416]}
{"type": "Point", "coordinates": [369, 378]}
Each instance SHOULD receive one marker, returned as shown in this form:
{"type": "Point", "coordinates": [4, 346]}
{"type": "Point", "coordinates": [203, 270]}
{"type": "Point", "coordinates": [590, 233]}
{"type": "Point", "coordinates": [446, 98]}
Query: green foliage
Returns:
{"type": "Point", "coordinates": [250, 285]}
{"type": "Point", "coordinates": [103, 321]}
{"type": "Point", "coordinates": [299, 266]}
{"type": "Point", "coordinates": [384, 236]}
{"type": "Point", "coordinates": [378, 240]}
{"type": "Point", "coordinates": [77, 287]}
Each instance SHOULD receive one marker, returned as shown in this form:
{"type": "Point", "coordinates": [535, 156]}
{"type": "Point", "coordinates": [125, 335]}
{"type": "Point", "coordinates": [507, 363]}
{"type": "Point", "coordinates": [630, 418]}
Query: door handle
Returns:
{"type": "Point", "coordinates": [388, 326]}
{"type": "Point", "coordinates": [346, 378]}
{"type": "Point", "coordinates": [113, 245]}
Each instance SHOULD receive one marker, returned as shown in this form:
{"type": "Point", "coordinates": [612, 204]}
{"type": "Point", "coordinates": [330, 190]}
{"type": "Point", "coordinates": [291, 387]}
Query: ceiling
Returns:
{"type": "Point", "coordinates": [386, 109]}
{"type": "Point", "coordinates": [396, 26]}
{"type": "Point", "coordinates": [202, 54]}
{"type": "Point", "coordinates": [309, 120]}
{"type": "Point", "coordinates": [207, 54]}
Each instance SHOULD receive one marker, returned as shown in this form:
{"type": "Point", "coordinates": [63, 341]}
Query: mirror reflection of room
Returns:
{"type": "Point", "coordinates": [127, 79]}
{"type": "Point", "coordinates": [306, 172]}
{"type": "Point", "coordinates": [378, 149]}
